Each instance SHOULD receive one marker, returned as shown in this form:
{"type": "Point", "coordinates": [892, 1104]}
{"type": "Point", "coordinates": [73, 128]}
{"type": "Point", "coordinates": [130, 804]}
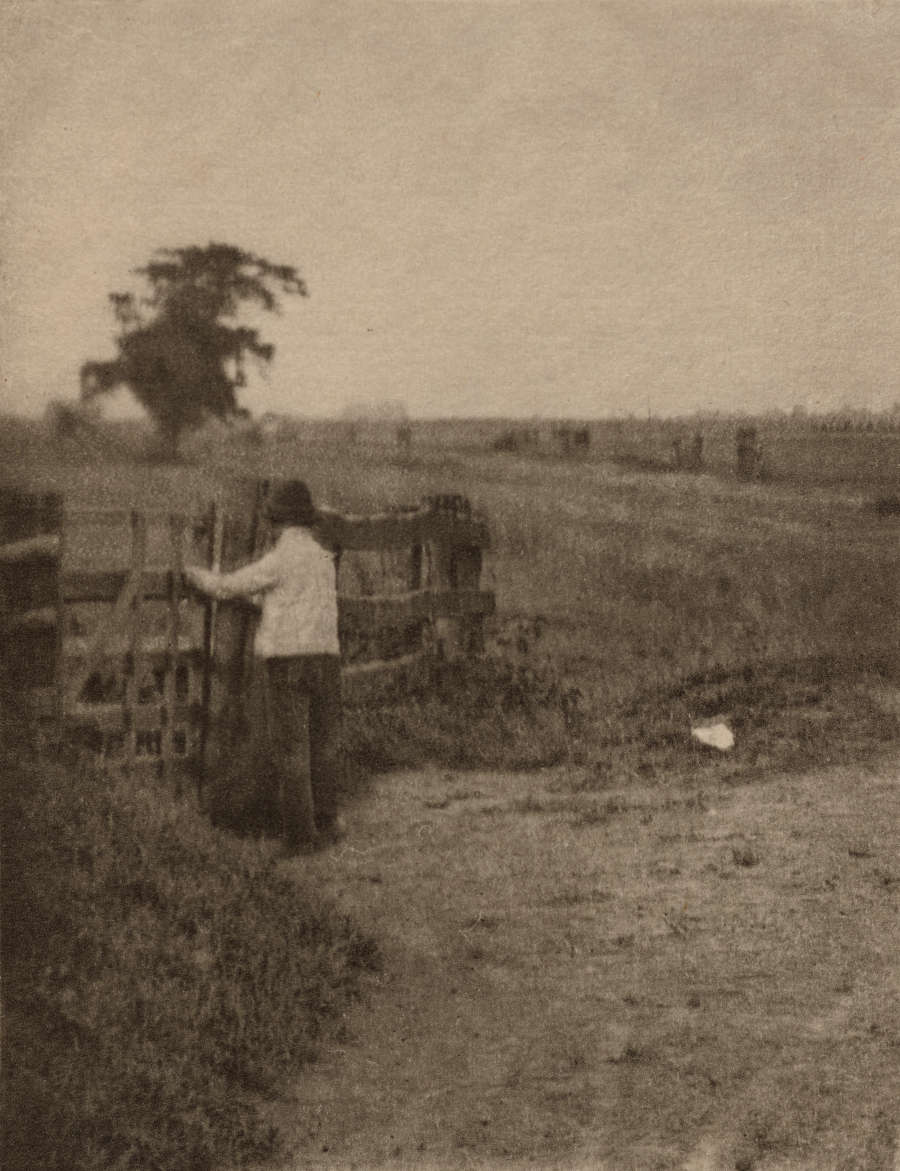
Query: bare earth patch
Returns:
{"type": "Point", "coordinates": [674, 977]}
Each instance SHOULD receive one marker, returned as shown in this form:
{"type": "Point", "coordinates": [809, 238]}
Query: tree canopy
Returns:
{"type": "Point", "coordinates": [181, 349]}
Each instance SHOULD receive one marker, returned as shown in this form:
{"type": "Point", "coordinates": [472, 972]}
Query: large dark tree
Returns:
{"type": "Point", "coordinates": [181, 349]}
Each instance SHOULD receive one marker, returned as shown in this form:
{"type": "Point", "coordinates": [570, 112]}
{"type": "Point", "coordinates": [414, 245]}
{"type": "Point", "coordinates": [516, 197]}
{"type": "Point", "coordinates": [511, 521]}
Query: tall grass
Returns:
{"type": "Point", "coordinates": [505, 710]}
{"type": "Point", "coordinates": [159, 978]}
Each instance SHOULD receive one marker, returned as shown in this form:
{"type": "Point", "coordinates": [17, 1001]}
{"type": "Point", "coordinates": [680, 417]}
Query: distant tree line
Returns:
{"type": "Point", "coordinates": [882, 423]}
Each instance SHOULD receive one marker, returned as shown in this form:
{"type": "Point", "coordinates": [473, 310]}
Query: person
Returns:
{"type": "Point", "coordinates": [296, 649]}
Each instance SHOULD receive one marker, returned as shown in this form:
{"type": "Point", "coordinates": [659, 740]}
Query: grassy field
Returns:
{"type": "Point", "coordinates": [632, 602]}
{"type": "Point", "coordinates": [643, 599]}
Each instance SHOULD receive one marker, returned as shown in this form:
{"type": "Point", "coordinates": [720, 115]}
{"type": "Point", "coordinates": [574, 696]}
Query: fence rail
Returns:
{"type": "Point", "coordinates": [149, 677]}
{"type": "Point", "coordinates": [372, 610]}
{"type": "Point", "coordinates": [436, 523]}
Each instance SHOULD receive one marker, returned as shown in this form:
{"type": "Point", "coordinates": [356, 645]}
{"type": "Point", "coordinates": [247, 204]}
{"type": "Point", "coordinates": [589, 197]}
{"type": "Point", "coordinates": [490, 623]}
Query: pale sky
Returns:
{"type": "Point", "coordinates": [499, 208]}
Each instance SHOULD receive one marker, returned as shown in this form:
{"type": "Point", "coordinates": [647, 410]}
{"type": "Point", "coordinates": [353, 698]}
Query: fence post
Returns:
{"type": "Point", "coordinates": [231, 626]}
{"type": "Point", "coordinates": [133, 675]}
{"type": "Point", "coordinates": [468, 564]}
{"type": "Point", "coordinates": [216, 537]}
{"type": "Point", "coordinates": [456, 567]}
{"type": "Point", "coordinates": [171, 696]}
{"type": "Point", "coordinates": [446, 631]}
{"type": "Point", "coordinates": [59, 628]}
{"type": "Point", "coordinates": [31, 616]}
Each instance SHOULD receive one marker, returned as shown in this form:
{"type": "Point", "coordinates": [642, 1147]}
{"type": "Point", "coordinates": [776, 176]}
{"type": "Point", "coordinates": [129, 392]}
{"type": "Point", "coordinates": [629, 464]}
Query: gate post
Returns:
{"type": "Point", "coordinates": [456, 567]}
{"type": "Point", "coordinates": [229, 627]}
{"type": "Point", "coordinates": [31, 605]}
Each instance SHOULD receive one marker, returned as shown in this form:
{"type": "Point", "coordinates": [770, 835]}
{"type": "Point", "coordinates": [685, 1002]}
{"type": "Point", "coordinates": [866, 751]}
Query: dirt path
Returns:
{"type": "Point", "coordinates": [680, 977]}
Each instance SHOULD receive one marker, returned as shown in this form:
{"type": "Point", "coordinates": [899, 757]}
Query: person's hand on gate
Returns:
{"type": "Point", "coordinates": [191, 579]}
{"type": "Point", "coordinates": [208, 583]}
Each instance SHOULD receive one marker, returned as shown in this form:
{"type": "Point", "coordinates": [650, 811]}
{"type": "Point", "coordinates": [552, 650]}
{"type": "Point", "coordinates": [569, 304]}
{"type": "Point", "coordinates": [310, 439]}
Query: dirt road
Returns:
{"type": "Point", "coordinates": [694, 976]}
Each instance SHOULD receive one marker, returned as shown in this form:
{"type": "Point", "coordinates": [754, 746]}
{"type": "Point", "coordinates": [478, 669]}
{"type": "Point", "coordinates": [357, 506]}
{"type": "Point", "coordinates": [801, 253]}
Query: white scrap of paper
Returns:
{"type": "Point", "coordinates": [715, 736]}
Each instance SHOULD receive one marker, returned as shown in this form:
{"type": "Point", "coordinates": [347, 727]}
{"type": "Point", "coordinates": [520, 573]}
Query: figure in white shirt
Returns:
{"type": "Point", "coordinates": [297, 641]}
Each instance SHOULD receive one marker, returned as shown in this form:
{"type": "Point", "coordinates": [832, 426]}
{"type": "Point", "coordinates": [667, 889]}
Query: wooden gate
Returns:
{"type": "Point", "coordinates": [132, 682]}
{"type": "Point", "coordinates": [121, 661]}
{"type": "Point", "coordinates": [127, 671]}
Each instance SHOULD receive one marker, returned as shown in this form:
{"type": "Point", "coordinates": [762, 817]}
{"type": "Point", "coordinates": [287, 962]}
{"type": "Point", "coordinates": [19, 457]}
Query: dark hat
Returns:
{"type": "Point", "coordinates": [290, 503]}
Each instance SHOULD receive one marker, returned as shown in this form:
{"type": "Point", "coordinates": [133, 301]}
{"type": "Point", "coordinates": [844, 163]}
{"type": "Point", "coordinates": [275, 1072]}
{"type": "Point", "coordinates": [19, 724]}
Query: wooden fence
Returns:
{"type": "Point", "coordinates": [119, 659]}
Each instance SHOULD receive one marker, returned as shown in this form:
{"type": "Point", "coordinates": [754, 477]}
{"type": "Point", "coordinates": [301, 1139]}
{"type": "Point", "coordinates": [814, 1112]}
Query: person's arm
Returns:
{"type": "Point", "coordinates": [256, 578]}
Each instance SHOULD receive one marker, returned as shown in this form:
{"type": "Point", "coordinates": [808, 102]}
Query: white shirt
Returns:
{"type": "Point", "coordinates": [297, 581]}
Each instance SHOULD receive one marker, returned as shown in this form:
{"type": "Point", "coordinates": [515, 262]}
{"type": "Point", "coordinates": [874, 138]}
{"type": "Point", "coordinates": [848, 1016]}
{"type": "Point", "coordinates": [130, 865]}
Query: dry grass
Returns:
{"type": "Point", "coordinates": [159, 977]}
{"type": "Point", "coordinates": [691, 976]}
{"type": "Point", "coordinates": [631, 604]}
{"type": "Point", "coordinates": [643, 584]}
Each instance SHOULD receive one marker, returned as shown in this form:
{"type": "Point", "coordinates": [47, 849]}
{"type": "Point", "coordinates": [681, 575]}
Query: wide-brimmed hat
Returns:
{"type": "Point", "coordinates": [290, 503]}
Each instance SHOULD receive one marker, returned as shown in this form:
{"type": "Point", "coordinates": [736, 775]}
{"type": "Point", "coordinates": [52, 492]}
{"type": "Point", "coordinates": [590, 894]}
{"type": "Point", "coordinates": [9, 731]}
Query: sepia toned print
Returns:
{"type": "Point", "coordinates": [567, 331]}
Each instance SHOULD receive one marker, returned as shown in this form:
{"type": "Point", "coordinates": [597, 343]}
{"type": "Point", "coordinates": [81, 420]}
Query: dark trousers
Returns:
{"type": "Point", "coordinates": [303, 717]}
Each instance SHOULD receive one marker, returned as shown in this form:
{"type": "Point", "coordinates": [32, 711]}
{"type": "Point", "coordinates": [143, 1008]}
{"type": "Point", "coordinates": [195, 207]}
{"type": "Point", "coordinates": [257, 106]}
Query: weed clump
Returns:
{"type": "Point", "coordinates": [489, 712]}
{"type": "Point", "coordinates": [159, 977]}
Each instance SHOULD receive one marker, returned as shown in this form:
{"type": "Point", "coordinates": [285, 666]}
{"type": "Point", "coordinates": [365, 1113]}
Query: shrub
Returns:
{"type": "Point", "coordinates": [159, 977]}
